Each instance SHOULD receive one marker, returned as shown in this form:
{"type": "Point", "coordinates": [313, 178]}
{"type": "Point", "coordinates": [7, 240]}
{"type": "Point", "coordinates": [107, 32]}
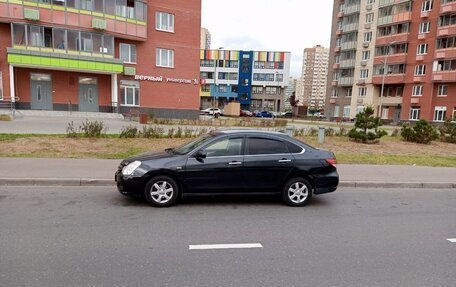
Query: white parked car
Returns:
{"type": "Point", "coordinates": [211, 111]}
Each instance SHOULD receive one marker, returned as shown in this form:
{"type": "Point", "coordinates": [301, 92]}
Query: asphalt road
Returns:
{"type": "Point", "coordinates": [353, 237]}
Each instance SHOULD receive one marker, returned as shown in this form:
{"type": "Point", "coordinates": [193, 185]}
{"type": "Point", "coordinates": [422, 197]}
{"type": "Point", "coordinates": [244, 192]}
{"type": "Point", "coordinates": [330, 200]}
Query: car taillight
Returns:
{"type": "Point", "coordinates": [331, 161]}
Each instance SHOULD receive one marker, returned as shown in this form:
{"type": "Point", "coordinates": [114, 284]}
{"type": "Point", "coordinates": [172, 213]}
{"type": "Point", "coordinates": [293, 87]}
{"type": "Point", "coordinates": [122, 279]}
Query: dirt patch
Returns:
{"type": "Point", "coordinates": [115, 148]}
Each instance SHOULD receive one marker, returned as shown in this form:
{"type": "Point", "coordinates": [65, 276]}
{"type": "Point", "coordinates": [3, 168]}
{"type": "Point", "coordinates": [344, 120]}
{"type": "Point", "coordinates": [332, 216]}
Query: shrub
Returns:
{"type": "Point", "coordinates": [448, 132]}
{"type": "Point", "coordinates": [71, 130]}
{"type": "Point", "coordinates": [330, 132]}
{"type": "Point", "coordinates": [170, 132]}
{"type": "Point", "coordinates": [93, 129]}
{"type": "Point", "coordinates": [188, 133]}
{"type": "Point", "coordinates": [152, 132]}
{"type": "Point", "coordinates": [178, 133]}
{"type": "Point", "coordinates": [368, 127]}
{"type": "Point", "coordinates": [129, 132]}
{"type": "Point", "coordinates": [395, 132]}
{"type": "Point", "coordinates": [422, 132]}
{"type": "Point", "coordinates": [342, 132]}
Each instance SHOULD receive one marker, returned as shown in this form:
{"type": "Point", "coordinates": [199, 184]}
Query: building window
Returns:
{"type": "Point", "coordinates": [414, 114]}
{"type": "Point", "coordinates": [164, 21]}
{"type": "Point", "coordinates": [420, 70]}
{"type": "Point", "coordinates": [279, 77]}
{"type": "Point", "coordinates": [207, 63]}
{"type": "Point", "coordinates": [223, 89]}
{"type": "Point", "coordinates": [257, 90]}
{"type": "Point", "coordinates": [365, 55]}
{"type": "Point", "coordinates": [399, 91]}
{"type": "Point", "coordinates": [367, 36]}
{"type": "Point", "coordinates": [349, 92]}
{"type": "Point", "coordinates": [129, 93]}
{"type": "Point", "coordinates": [369, 17]}
{"type": "Point", "coordinates": [439, 114]}
{"type": "Point", "coordinates": [128, 53]}
{"type": "Point", "coordinates": [370, 1]}
{"type": "Point", "coordinates": [425, 27]}
{"type": "Point", "coordinates": [364, 73]}
{"type": "Point", "coordinates": [426, 6]}
{"type": "Point", "coordinates": [359, 109]}
{"type": "Point", "coordinates": [422, 49]}
{"type": "Point", "coordinates": [417, 91]}
{"type": "Point", "coordinates": [207, 75]}
{"type": "Point", "coordinates": [272, 90]}
{"type": "Point", "coordinates": [336, 111]}
{"type": "Point", "coordinates": [442, 90]}
{"type": "Point", "coordinates": [334, 93]}
{"type": "Point", "coordinates": [164, 58]}
{"type": "Point", "coordinates": [346, 111]}
{"type": "Point", "coordinates": [205, 88]}
{"type": "Point", "coordinates": [362, 92]}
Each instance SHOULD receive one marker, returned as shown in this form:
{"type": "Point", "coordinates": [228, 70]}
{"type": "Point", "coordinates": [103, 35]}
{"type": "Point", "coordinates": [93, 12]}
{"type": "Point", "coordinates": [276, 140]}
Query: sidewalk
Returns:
{"type": "Point", "coordinates": [96, 172]}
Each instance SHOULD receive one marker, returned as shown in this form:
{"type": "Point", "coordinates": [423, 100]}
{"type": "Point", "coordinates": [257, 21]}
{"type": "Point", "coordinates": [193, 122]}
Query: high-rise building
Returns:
{"type": "Point", "coordinates": [313, 77]}
{"type": "Point", "coordinates": [396, 56]}
{"type": "Point", "coordinates": [256, 79]}
{"type": "Point", "coordinates": [101, 55]}
{"type": "Point", "coordinates": [205, 39]}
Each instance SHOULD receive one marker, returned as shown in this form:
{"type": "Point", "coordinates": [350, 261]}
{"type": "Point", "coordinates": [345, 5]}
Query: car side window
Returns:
{"type": "Point", "coordinates": [224, 147]}
{"type": "Point", "coordinates": [257, 146]}
{"type": "Point", "coordinates": [293, 148]}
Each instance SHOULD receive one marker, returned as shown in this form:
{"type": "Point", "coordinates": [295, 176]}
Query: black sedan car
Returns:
{"type": "Point", "coordinates": [231, 162]}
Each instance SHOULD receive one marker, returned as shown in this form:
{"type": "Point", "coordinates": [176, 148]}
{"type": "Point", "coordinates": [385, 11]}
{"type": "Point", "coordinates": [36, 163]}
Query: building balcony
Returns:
{"type": "Point", "coordinates": [389, 79]}
{"type": "Point", "coordinates": [448, 7]}
{"type": "Point", "coordinates": [340, 14]}
{"type": "Point", "coordinates": [346, 81]}
{"type": "Point", "coordinates": [332, 101]}
{"type": "Point", "coordinates": [336, 66]}
{"type": "Point", "coordinates": [391, 101]}
{"type": "Point", "coordinates": [338, 32]}
{"type": "Point", "coordinates": [347, 63]}
{"type": "Point", "coordinates": [337, 49]}
{"type": "Point", "coordinates": [350, 9]}
{"type": "Point", "coordinates": [446, 30]}
{"type": "Point", "coordinates": [334, 83]}
{"type": "Point", "coordinates": [383, 3]}
{"type": "Point", "coordinates": [415, 100]}
{"type": "Point", "coordinates": [385, 40]}
{"type": "Point", "coordinates": [444, 76]}
{"type": "Point", "coordinates": [49, 59]}
{"type": "Point", "coordinates": [445, 53]}
{"type": "Point", "coordinates": [350, 27]}
{"type": "Point", "coordinates": [391, 59]}
{"type": "Point", "coordinates": [124, 22]}
{"type": "Point", "coordinates": [349, 45]}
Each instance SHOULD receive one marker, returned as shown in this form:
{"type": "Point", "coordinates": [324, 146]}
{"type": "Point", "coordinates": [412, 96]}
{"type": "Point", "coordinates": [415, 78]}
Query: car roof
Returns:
{"type": "Point", "coordinates": [249, 131]}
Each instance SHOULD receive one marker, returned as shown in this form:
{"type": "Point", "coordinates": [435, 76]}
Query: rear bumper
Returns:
{"type": "Point", "coordinates": [326, 183]}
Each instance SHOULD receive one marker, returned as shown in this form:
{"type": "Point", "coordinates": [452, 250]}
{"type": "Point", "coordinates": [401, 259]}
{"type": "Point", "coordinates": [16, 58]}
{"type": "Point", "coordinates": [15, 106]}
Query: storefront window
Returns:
{"type": "Point", "coordinates": [129, 93]}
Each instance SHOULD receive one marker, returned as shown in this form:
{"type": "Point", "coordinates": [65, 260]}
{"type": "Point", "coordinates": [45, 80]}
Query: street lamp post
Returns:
{"type": "Point", "coordinates": [379, 112]}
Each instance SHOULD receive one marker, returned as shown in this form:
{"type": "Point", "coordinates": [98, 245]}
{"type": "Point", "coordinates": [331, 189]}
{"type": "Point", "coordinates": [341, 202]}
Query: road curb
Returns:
{"type": "Point", "coordinates": [111, 182]}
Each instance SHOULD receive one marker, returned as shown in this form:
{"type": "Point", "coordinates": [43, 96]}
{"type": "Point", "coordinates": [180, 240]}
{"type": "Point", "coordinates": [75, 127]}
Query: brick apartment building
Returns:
{"type": "Point", "coordinates": [397, 56]}
{"type": "Point", "coordinates": [101, 55]}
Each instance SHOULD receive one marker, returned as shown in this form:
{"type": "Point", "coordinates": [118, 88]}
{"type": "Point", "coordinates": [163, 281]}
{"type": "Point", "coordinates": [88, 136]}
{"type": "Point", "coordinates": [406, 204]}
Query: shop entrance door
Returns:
{"type": "Point", "coordinates": [88, 94]}
{"type": "Point", "coordinates": [40, 91]}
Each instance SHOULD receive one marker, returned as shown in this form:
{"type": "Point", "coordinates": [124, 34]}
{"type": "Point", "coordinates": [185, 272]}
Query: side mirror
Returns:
{"type": "Point", "coordinates": [200, 154]}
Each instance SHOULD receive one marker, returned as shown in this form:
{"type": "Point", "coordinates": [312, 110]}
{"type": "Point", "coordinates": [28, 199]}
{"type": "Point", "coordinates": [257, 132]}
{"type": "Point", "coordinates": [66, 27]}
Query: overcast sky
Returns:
{"type": "Point", "coordinates": [271, 25]}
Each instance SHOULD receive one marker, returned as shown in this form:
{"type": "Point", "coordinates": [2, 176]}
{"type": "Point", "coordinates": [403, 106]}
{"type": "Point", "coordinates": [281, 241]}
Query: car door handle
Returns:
{"type": "Point", "coordinates": [284, 160]}
{"type": "Point", "coordinates": [235, 163]}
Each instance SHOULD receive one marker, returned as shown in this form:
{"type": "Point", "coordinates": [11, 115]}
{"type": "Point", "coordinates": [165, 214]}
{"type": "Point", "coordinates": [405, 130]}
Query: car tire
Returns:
{"type": "Point", "coordinates": [161, 191]}
{"type": "Point", "coordinates": [297, 192]}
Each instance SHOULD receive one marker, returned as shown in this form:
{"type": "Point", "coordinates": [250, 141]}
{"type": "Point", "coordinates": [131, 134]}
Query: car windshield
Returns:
{"type": "Point", "coordinates": [192, 145]}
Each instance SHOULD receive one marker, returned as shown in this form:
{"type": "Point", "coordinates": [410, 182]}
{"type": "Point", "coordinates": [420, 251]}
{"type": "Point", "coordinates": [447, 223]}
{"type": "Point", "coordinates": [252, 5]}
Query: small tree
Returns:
{"type": "Point", "coordinates": [294, 102]}
{"type": "Point", "coordinates": [422, 132]}
{"type": "Point", "coordinates": [448, 132]}
{"type": "Point", "coordinates": [368, 127]}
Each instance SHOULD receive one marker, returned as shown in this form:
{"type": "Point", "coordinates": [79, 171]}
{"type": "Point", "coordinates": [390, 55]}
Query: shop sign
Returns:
{"type": "Point", "coordinates": [166, 79]}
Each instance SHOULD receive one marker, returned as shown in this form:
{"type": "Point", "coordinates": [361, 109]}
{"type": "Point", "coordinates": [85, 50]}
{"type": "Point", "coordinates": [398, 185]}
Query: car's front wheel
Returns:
{"type": "Point", "coordinates": [161, 191]}
{"type": "Point", "coordinates": [297, 192]}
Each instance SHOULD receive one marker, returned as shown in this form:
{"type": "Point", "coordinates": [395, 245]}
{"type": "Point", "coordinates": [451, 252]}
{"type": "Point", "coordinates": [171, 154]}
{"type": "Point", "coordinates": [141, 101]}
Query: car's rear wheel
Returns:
{"type": "Point", "coordinates": [297, 192]}
{"type": "Point", "coordinates": [161, 191]}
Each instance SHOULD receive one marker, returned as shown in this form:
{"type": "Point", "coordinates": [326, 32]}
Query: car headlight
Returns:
{"type": "Point", "coordinates": [131, 167]}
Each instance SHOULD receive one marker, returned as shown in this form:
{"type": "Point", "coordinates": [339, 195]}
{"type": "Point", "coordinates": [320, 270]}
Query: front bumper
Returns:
{"type": "Point", "coordinates": [133, 186]}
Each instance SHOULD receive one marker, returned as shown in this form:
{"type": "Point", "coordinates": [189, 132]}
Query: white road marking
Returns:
{"type": "Point", "coordinates": [224, 246]}
{"type": "Point", "coordinates": [452, 240]}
